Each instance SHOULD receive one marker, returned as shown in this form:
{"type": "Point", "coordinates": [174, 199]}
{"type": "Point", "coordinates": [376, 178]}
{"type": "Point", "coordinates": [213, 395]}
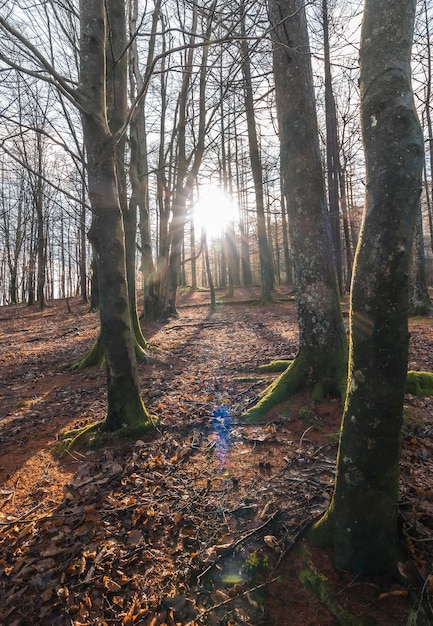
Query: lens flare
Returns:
{"type": "Point", "coordinates": [221, 422]}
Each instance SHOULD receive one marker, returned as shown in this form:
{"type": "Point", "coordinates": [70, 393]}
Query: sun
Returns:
{"type": "Point", "coordinates": [213, 210]}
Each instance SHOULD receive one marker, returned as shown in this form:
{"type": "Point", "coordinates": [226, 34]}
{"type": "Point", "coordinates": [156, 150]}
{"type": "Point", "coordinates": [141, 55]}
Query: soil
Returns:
{"type": "Point", "coordinates": [205, 522]}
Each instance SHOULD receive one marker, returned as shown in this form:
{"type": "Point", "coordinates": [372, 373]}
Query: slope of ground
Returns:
{"type": "Point", "coordinates": [204, 524]}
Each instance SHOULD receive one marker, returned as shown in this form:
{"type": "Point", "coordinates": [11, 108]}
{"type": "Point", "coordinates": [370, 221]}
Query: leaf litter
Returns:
{"type": "Point", "coordinates": [204, 523]}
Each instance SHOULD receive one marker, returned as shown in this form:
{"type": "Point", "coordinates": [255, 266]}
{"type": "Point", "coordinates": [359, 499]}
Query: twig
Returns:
{"type": "Point", "coordinates": [22, 519]}
{"type": "Point", "coordinates": [201, 324]}
{"type": "Point", "coordinates": [233, 547]}
{"type": "Point", "coordinates": [244, 593]}
{"type": "Point", "coordinates": [296, 538]}
{"type": "Point", "coordinates": [302, 438]}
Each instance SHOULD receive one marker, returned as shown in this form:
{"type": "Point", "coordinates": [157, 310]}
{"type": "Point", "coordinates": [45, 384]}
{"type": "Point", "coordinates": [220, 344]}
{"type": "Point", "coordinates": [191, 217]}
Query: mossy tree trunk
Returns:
{"type": "Point", "coordinates": [117, 85]}
{"type": "Point", "coordinates": [106, 234]}
{"type": "Point", "coordinates": [361, 523]}
{"type": "Point", "coordinates": [321, 363]}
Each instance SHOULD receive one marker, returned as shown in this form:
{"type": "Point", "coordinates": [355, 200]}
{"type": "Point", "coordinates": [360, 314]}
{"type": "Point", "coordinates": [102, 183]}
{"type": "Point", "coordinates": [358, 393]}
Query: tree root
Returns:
{"type": "Point", "coordinates": [71, 439]}
{"type": "Point", "coordinates": [93, 436]}
{"type": "Point", "coordinates": [310, 369]}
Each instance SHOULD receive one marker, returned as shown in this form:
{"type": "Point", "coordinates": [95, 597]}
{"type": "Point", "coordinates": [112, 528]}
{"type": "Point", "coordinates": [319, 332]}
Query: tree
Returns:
{"type": "Point", "coordinates": [267, 277]}
{"type": "Point", "coordinates": [419, 297]}
{"type": "Point", "coordinates": [139, 167]}
{"type": "Point", "coordinates": [332, 149]}
{"type": "Point", "coordinates": [321, 362]}
{"type": "Point", "coordinates": [125, 406]}
{"type": "Point", "coordinates": [361, 522]}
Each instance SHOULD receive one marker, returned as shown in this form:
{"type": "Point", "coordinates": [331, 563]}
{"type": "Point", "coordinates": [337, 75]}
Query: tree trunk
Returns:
{"type": "Point", "coordinates": [321, 363]}
{"type": "Point", "coordinates": [138, 167]}
{"type": "Point", "coordinates": [106, 234]}
{"type": "Point", "coordinates": [332, 153]}
{"type": "Point", "coordinates": [265, 255]}
{"type": "Point", "coordinates": [38, 199]}
{"type": "Point", "coordinates": [116, 79]}
{"type": "Point", "coordinates": [361, 522]}
{"type": "Point", "coordinates": [419, 297]}
{"type": "Point", "coordinates": [82, 239]}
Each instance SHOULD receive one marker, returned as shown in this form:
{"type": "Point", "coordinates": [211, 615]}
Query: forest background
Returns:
{"type": "Point", "coordinates": [45, 214]}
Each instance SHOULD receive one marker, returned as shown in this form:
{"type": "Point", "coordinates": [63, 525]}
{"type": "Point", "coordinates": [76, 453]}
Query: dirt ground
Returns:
{"type": "Point", "coordinates": [205, 523]}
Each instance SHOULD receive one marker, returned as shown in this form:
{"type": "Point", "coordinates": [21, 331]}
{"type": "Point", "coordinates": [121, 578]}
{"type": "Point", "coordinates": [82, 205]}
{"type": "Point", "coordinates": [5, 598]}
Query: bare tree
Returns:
{"type": "Point", "coordinates": [265, 254]}
{"type": "Point", "coordinates": [321, 362]}
{"type": "Point", "coordinates": [361, 523]}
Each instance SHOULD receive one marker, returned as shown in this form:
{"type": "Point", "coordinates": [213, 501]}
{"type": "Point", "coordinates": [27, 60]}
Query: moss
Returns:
{"type": "Point", "coordinates": [319, 585]}
{"type": "Point", "coordinates": [419, 383]}
{"type": "Point", "coordinates": [319, 391]}
{"type": "Point", "coordinates": [411, 419]}
{"type": "Point", "coordinates": [288, 383]}
{"type": "Point", "coordinates": [322, 532]}
{"type": "Point", "coordinates": [306, 415]}
{"type": "Point", "coordinates": [333, 437]}
{"type": "Point", "coordinates": [23, 404]}
{"type": "Point", "coordinates": [275, 366]}
{"type": "Point", "coordinates": [256, 566]}
{"type": "Point", "coordinates": [93, 358]}
{"type": "Point", "coordinates": [72, 439]}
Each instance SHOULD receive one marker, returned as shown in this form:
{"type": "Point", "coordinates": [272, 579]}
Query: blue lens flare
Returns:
{"type": "Point", "coordinates": [221, 422]}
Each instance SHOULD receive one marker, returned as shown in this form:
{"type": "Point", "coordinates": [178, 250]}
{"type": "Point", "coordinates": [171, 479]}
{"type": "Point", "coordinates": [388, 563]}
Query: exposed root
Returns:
{"type": "Point", "coordinates": [76, 437]}
{"type": "Point", "coordinates": [93, 436]}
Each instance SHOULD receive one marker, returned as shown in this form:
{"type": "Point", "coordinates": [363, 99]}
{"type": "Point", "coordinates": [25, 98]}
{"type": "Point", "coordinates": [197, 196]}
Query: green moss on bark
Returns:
{"type": "Point", "coordinates": [126, 409]}
{"type": "Point", "coordinates": [93, 358]}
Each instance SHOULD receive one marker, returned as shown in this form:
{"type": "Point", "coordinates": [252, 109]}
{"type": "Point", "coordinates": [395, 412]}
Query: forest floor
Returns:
{"type": "Point", "coordinates": [205, 523]}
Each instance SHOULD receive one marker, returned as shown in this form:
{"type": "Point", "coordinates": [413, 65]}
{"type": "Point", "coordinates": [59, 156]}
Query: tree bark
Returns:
{"type": "Point", "coordinates": [321, 363]}
{"type": "Point", "coordinates": [361, 523]}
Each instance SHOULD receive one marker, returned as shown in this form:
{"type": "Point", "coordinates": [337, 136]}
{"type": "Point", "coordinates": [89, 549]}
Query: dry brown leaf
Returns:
{"type": "Point", "coordinates": [111, 585]}
{"type": "Point", "coordinates": [135, 537]}
{"type": "Point", "coordinates": [272, 542]}
{"type": "Point", "coordinates": [394, 593]}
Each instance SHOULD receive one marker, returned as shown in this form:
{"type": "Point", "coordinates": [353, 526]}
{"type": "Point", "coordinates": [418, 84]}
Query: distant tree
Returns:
{"type": "Point", "coordinates": [361, 522]}
{"type": "Point", "coordinates": [321, 363]}
{"type": "Point", "coordinates": [332, 150]}
{"type": "Point", "coordinates": [139, 166]}
{"type": "Point", "coordinates": [419, 298]}
{"type": "Point", "coordinates": [13, 227]}
{"type": "Point", "coordinates": [267, 277]}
